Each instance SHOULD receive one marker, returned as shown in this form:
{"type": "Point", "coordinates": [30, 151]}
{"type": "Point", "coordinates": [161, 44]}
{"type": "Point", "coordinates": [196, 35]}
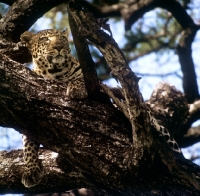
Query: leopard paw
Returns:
{"type": "Point", "coordinates": [32, 175]}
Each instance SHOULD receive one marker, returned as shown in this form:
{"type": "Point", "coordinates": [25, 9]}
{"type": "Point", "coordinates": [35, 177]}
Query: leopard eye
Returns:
{"type": "Point", "coordinates": [63, 38]}
{"type": "Point", "coordinates": [43, 39]}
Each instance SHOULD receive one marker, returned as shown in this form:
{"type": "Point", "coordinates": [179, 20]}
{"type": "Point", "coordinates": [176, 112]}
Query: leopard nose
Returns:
{"type": "Point", "coordinates": [57, 47]}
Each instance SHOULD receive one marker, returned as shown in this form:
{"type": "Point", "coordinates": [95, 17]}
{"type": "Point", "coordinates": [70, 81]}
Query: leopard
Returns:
{"type": "Point", "coordinates": [117, 96]}
{"type": "Point", "coordinates": [52, 59]}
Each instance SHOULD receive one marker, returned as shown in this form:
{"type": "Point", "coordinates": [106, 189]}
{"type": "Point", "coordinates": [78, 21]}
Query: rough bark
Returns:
{"type": "Point", "coordinates": [22, 15]}
{"type": "Point", "coordinates": [39, 108]}
{"type": "Point", "coordinates": [68, 127]}
{"type": "Point", "coordinates": [99, 147]}
{"type": "Point", "coordinates": [130, 11]}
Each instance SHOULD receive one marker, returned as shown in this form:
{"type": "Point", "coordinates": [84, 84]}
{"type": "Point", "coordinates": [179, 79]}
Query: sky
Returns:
{"type": "Point", "coordinates": [10, 139]}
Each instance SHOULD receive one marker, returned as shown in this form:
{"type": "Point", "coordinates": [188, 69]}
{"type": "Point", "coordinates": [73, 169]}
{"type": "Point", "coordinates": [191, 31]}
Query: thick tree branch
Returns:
{"type": "Point", "coordinates": [83, 125]}
{"type": "Point", "coordinates": [12, 50]}
{"type": "Point", "coordinates": [56, 170]}
{"type": "Point", "coordinates": [62, 176]}
{"type": "Point", "coordinates": [94, 139]}
{"type": "Point", "coordinates": [184, 52]}
{"type": "Point", "coordinates": [90, 28]}
{"type": "Point", "coordinates": [132, 107]}
{"type": "Point", "coordinates": [13, 27]}
{"type": "Point", "coordinates": [20, 17]}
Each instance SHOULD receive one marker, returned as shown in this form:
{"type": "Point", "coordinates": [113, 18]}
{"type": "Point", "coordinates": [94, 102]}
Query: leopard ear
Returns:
{"type": "Point", "coordinates": [66, 32]}
{"type": "Point", "coordinates": [26, 38]}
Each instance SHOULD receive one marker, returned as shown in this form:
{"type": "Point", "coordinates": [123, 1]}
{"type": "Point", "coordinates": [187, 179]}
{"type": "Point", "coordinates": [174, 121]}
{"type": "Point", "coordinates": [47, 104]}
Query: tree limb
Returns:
{"type": "Point", "coordinates": [191, 137]}
{"type": "Point", "coordinates": [20, 17]}
{"type": "Point", "coordinates": [13, 27]}
{"type": "Point", "coordinates": [8, 2]}
{"type": "Point", "coordinates": [83, 130]}
{"type": "Point", "coordinates": [131, 11]}
{"type": "Point", "coordinates": [56, 170]}
{"type": "Point", "coordinates": [87, 65]}
{"type": "Point", "coordinates": [188, 135]}
{"type": "Point", "coordinates": [94, 138]}
{"type": "Point", "coordinates": [184, 52]}
{"type": "Point", "coordinates": [128, 80]}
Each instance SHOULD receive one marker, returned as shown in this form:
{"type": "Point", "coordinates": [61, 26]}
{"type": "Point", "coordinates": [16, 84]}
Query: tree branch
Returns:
{"type": "Point", "coordinates": [191, 137]}
{"type": "Point", "coordinates": [188, 135]}
{"type": "Point", "coordinates": [131, 11]}
{"type": "Point", "coordinates": [20, 17]}
{"type": "Point", "coordinates": [90, 28]}
{"type": "Point", "coordinates": [184, 52]}
{"type": "Point", "coordinates": [83, 125]}
{"type": "Point", "coordinates": [133, 101]}
{"type": "Point", "coordinates": [56, 170]}
{"type": "Point", "coordinates": [104, 11]}
{"type": "Point", "coordinates": [87, 65]}
{"type": "Point", "coordinates": [94, 139]}
{"type": "Point", "coordinates": [24, 15]}
{"type": "Point", "coordinates": [8, 2]}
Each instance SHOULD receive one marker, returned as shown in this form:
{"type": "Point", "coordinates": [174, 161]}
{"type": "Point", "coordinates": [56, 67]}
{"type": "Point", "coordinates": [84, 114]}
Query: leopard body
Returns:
{"type": "Point", "coordinates": [164, 133]}
{"type": "Point", "coordinates": [52, 59]}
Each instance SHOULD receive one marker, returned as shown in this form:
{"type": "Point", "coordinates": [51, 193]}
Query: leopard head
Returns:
{"type": "Point", "coordinates": [50, 50]}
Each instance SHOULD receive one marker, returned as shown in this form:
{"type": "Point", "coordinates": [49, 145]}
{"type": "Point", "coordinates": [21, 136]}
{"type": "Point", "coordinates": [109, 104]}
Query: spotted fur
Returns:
{"type": "Point", "coordinates": [165, 133]}
{"type": "Point", "coordinates": [51, 59]}
{"type": "Point", "coordinates": [33, 172]}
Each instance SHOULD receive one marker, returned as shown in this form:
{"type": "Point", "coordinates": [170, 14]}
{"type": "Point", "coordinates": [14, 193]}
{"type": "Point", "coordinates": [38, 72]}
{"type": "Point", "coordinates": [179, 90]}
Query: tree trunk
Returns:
{"type": "Point", "coordinates": [113, 151]}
